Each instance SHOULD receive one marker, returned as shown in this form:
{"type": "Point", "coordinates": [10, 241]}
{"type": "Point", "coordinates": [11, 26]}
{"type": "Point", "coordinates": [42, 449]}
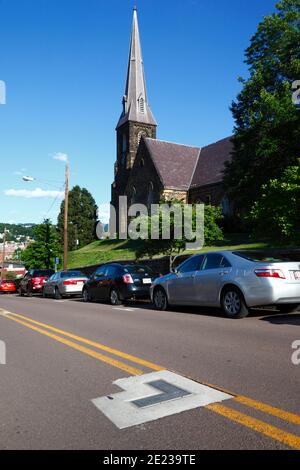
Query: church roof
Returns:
{"type": "Point", "coordinates": [175, 163]}
{"type": "Point", "coordinates": [135, 101]}
{"type": "Point", "coordinates": [211, 163]}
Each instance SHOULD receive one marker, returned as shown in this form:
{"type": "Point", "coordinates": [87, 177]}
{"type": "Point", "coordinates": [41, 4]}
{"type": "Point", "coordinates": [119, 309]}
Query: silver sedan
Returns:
{"type": "Point", "coordinates": [233, 280]}
{"type": "Point", "coordinates": [64, 283]}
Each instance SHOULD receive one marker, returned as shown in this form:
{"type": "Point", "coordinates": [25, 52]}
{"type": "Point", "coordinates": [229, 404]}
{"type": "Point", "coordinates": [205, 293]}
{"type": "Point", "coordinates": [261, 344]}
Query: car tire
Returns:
{"type": "Point", "coordinates": [44, 295]}
{"type": "Point", "coordinates": [160, 299]}
{"type": "Point", "coordinates": [86, 296]}
{"type": "Point", "coordinates": [288, 308]}
{"type": "Point", "coordinates": [20, 292]}
{"type": "Point", "coordinates": [57, 294]}
{"type": "Point", "coordinates": [114, 297]}
{"type": "Point", "coordinates": [233, 303]}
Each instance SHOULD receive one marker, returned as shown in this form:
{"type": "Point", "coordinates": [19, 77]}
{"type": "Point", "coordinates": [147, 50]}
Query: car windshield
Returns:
{"type": "Point", "coordinates": [136, 269]}
{"type": "Point", "coordinates": [42, 272]}
{"type": "Point", "coordinates": [260, 257]}
{"type": "Point", "coordinates": [72, 274]}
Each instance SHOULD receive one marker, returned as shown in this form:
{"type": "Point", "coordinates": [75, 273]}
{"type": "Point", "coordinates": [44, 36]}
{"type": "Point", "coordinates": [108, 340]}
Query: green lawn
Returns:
{"type": "Point", "coordinates": [103, 251]}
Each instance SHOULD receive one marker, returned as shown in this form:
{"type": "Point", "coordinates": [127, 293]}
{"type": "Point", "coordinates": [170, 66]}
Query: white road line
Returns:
{"type": "Point", "coordinates": [124, 309]}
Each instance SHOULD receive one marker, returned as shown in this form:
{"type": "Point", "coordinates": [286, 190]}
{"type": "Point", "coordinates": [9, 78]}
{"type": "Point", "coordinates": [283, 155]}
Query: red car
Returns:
{"type": "Point", "coordinates": [7, 286]}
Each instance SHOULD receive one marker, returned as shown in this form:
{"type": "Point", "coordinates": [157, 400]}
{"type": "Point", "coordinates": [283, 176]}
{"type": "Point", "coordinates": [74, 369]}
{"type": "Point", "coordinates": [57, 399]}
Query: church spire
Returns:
{"type": "Point", "coordinates": [135, 101]}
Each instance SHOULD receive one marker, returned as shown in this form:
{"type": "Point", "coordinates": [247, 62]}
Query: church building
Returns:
{"type": "Point", "coordinates": [148, 169]}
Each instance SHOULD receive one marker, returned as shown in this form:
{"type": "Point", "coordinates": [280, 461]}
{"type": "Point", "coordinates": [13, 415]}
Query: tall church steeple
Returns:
{"type": "Point", "coordinates": [135, 101]}
{"type": "Point", "coordinates": [136, 119]}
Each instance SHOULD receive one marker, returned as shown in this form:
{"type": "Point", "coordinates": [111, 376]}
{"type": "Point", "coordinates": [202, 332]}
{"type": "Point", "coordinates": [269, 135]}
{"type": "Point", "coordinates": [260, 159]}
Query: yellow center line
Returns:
{"type": "Point", "coordinates": [83, 349]}
{"type": "Point", "coordinates": [116, 352]}
{"type": "Point", "coordinates": [274, 433]}
{"type": "Point", "coordinates": [284, 415]}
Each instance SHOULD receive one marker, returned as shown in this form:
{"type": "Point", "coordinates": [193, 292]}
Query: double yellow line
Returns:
{"type": "Point", "coordinates": [257, 425]}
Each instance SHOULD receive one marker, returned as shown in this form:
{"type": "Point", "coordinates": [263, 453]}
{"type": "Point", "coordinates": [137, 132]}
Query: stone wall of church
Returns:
{"type": "Point", "coordinates": [211, 194]}
{"type": "Point", "coordinates": [144, 185]}
{"type": "Point", "coordinates": [169, 194]}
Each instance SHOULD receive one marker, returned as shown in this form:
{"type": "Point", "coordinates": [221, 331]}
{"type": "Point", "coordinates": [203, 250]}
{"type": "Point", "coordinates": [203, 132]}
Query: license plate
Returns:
{"type": "Point", "coordinates": [147, 281]}
{"type": "Point", "coordinates": [297, 275]}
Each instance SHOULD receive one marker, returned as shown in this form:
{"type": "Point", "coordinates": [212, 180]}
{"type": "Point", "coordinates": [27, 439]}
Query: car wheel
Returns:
{"type": "Point", "coordinates": [44, 294]}
{"type": "Point", "coordinates": [288, 308]}
{"type": "Point", "coordinates": [86, 296]}
{"type": "Point", "coordinates": [20, 292]}
{"type": "Point", "coordinates": [29, 291]}
{"type": "Point", "coordinates": [233, 303]}
{"type": "Point", "coordinates": [57, 294]}
{"type": "Point", "coordinates": [114, 297]}
{"type": "Point", "coordinates": [160, 299]}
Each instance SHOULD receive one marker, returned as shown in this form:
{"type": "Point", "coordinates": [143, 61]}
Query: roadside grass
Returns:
{"type": "Point", "coordinates": [103, 251]}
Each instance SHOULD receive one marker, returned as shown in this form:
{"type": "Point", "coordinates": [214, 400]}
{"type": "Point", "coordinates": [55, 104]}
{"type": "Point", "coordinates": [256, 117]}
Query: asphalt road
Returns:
{"type": "Point", "coordinates": [60, 355]}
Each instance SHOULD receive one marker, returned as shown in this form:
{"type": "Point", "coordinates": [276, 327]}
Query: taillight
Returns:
{"type": "Point", "coordinates": [70, 283]}
{"type": "Point", "coordinates": [127, 279]}
{"type": "Point", "coordinates": [274, 273]}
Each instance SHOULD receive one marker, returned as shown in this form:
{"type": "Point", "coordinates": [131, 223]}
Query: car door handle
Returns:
{"type": "Point", "coordinates": [222, 273]}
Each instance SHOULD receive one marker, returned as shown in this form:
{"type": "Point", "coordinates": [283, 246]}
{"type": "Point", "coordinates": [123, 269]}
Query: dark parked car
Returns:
{"type": "Point", "coordinates": [33, 281]}
{"type": "Point", "coordinates": [116, 283]}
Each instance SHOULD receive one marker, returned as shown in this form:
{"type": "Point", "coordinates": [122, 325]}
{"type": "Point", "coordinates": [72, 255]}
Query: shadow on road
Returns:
{"type": "Point", "coordinates": [291, 319]}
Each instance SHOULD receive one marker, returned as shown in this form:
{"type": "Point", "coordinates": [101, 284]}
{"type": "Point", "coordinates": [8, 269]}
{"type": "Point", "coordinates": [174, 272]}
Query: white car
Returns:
{"type": "Point", "coordinates": [233, 280]}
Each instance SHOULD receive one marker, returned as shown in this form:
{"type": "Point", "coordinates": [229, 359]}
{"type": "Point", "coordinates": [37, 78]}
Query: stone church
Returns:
{"type": "Point", "coordinates": [148, 169]}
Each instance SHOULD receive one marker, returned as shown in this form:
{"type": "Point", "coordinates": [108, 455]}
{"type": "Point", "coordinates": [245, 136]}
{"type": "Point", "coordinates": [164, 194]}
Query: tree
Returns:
{"type": "Point", "coordinates": [42, 252]}
{"type": "Point", "coordinates": [267, 123]}
{"type": "Point", "coordinates": [172, 246]}
{"type": "Point", "coordinates": [276, 213]}
{"type": "Point", "coordinates": [82, 218]}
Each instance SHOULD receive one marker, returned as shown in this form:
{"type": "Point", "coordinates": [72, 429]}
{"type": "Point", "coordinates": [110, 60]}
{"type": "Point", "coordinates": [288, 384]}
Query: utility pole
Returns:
{"type": "Point", "coordinates": [66, 217]}
{"type": "Point", "coordinates": [3, 254]}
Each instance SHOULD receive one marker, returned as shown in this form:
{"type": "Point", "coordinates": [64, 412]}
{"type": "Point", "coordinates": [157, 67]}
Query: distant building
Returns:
{"type": "Point", "coordinates": [146, 168]}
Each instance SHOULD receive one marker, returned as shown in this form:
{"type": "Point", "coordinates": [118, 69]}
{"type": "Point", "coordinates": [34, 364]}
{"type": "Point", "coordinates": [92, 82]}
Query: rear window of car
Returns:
{"type": "Point", "coordinates": [42, 272]}
{"type": "Point", "coordinates": [136, 269]}
{"type": "Point", "coordinates": [260, 257]}
{"type": "Point", "coordinates": [72, 274]}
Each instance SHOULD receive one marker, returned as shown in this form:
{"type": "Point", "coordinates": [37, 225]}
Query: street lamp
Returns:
{"type": "Point", "coordinates": [66, 210]}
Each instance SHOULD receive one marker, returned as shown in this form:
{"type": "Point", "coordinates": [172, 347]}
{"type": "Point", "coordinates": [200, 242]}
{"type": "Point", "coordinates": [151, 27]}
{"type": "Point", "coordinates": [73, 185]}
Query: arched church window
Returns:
{"type": "Point", "coordinates": [151, 194]}
{"type": "Point", "coordinates": [133, 196]}
{"type": "Point", "coordinates": [124, 143]}
{"type": "Point", "coordinates": [142, 163]}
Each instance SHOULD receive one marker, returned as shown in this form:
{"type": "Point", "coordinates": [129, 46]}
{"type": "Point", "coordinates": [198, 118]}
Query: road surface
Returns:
{"type": "Point", "coordinates": [61, 355]}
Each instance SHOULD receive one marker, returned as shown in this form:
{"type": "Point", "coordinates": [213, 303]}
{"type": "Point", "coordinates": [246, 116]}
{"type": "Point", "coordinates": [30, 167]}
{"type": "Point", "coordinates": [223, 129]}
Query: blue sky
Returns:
{"type": "Point", "coordinates": [64, 64]}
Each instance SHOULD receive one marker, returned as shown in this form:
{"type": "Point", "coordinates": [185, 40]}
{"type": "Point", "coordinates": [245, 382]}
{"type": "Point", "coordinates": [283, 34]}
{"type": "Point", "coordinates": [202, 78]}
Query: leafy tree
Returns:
{"type": "Point", "coordinates": [173, 247]}
{"type": "Point", "coordinates": [42, 252]}
{"type": "Point", "coordinates": [276, 213]}
{"type": "Point", "coordinates": [267, 123]}
{"type": "Point", "coordinates": [82, 218]}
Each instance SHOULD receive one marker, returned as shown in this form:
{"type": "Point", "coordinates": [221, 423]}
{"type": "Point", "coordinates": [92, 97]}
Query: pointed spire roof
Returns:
{"type": "Point", "coordinates": [135, 101]}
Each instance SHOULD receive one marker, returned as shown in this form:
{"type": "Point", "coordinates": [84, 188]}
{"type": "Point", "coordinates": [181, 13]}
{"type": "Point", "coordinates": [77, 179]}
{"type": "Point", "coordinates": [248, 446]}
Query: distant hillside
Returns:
{"type": "Point", "coordinates": [17, 232]}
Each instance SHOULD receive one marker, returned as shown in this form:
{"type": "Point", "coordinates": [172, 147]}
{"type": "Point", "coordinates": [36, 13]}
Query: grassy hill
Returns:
{"type": "Point", "coordinates": [103, 251]}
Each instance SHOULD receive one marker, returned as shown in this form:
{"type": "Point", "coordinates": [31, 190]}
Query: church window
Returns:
{"type": "Point", "coordinates": [133, 195]}
{"type": "Point", "coordinates": [124, 143]}
{"type": "Point", "coordinates": [208, 199]}
{"type": "Point", "coordinates": [142, 163]}
{"type": "Point", "coordinates": [142, 105]}
{"type": "Point", "coordinates": [151, 195]}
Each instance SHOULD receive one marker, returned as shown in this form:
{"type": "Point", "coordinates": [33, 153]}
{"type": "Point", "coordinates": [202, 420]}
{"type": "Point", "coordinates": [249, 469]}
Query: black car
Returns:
{"type": "Point", "coordinates": [33, 281]}
{"type": "Point", "coordinates": [116, 283]}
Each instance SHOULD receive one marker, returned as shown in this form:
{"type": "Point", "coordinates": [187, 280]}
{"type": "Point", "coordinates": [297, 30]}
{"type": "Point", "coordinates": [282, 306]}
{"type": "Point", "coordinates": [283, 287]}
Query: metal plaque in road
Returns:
{"type": "Point", "coordinates": [153, 396]}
